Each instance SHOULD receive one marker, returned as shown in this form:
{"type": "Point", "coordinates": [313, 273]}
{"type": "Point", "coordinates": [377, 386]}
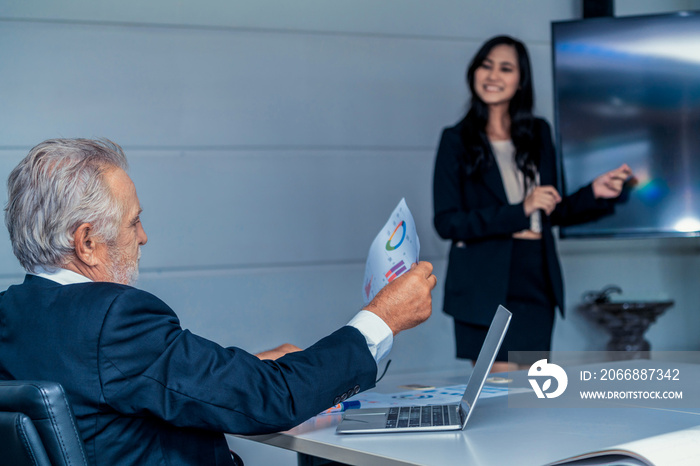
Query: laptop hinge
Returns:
{"type": "Point", "coordinates": [462, 415]}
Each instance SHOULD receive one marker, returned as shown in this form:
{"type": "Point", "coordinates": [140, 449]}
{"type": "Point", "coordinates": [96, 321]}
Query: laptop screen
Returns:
{"type": "Point", "coordinates": [487, 356]}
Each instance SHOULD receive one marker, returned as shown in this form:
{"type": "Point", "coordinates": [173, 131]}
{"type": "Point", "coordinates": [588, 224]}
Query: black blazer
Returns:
{"type": "Point", "coordinates": [474, 210]}
{"type": "Point", "coordinates": [147, 392]}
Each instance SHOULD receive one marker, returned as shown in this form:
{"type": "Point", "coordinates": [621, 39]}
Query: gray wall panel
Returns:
{"type": "Point", "coordinates": [182, 87]}
{"type": "Point", "coordinates": [473, 19]}
{"type": "Point", "coordinates": [646, 7]}
{"type": "Point", "coordinates": [541, 58]}
{"type": "Point", "coordinates": [216, 209]}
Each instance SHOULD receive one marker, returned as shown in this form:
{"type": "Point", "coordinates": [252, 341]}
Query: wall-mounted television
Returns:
{"type": "Point", "coordinates": [627, 90]}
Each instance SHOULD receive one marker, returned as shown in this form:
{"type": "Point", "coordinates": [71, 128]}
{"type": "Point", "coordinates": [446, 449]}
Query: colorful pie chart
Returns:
{"type": "Point", "coordinates": [389, 247]}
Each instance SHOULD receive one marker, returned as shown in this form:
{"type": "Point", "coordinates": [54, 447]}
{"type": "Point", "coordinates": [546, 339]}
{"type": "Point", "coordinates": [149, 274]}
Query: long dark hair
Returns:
{"type": "Point", "coordinates": [520, 111]}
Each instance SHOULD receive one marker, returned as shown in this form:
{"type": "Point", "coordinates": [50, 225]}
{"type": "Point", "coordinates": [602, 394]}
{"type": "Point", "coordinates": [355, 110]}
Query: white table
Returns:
{"type": "Point", "coordinates": [495, 435]}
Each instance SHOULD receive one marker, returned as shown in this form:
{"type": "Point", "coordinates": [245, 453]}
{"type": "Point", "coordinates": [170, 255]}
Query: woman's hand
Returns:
{"type": "Point", "coordinates": [609, 185]}
{"type": "Point", "coordinates": [543, 198]}
{"type": "Point", "coordinates": [278, 352]}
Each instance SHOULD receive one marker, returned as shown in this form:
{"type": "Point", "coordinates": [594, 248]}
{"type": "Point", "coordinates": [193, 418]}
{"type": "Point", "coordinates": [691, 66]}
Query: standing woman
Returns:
{"type": "Point", "coordinates": [495, 198]}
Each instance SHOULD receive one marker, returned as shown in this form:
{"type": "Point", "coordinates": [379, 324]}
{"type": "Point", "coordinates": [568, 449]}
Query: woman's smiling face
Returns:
{"type": "Point", "coordinates": [497, 79]}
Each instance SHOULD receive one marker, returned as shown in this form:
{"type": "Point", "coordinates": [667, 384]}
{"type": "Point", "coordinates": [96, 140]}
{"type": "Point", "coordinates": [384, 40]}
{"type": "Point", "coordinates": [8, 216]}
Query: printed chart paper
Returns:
{"type": "Point", "coordinates": [436, 396]}
{"type": "Point", "coordinates": [393, 251]}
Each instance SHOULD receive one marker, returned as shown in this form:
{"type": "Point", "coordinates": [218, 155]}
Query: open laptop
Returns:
{"type": "Point", "coordinates": [433, 417]}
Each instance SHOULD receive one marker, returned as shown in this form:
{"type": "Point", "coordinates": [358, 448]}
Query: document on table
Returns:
{"type": "Point", "coordinates": [434, 396]}
{"type": "Point", "coordinates": [392, 252]}
{"type": "Point", "coordinates": [680, 448]}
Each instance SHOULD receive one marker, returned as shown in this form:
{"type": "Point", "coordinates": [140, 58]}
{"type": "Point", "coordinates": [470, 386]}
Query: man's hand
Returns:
{"type": "Point", "coordinates": [278, 352]}
{"type": "Point", "coordinates": [406, 301]}
{"type": "Point", "coordinates": [609, 185]}
{"type": "Point", "coordinates": [543, 198]}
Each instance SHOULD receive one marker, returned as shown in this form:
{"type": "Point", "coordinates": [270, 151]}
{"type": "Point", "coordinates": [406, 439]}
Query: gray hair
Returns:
{"type": "Point", "coordinates": [56, 188]}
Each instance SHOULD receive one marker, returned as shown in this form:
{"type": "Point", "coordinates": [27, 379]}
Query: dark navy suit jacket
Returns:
{"type": "Point", "coordinates": [473, 210]}
{"type": "Point", "coordinates": [147, 392]}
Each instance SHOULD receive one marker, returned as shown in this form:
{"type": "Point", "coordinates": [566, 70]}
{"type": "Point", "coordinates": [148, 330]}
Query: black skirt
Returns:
{"type": "Point", "coordinates": [529, 298]}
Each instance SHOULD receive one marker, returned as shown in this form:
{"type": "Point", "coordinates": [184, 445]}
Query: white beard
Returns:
{"type": "Point", "coordinates": [124, 270]}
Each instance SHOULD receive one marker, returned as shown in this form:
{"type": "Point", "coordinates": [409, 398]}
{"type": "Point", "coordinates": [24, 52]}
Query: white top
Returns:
{"type": "Point", "coordinates": [377, 333]}
{"type": "Point", "coordinates": [514, 179]}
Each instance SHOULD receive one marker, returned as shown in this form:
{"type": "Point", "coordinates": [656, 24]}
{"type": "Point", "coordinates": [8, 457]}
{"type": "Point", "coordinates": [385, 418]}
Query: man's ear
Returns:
{"type": "Point", "coordinates": [85, 244]}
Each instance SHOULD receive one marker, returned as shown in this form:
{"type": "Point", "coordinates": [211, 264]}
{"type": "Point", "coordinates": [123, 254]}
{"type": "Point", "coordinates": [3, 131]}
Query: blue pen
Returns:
{"type": "Point", "coordinates": [342, 406]}
{"type": "Point", "coordinates": [352, 404]}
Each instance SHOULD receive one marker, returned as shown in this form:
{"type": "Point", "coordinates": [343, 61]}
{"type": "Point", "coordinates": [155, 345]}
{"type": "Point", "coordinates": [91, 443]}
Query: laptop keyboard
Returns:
{"type": "Point", "coordinates": [418, 416]}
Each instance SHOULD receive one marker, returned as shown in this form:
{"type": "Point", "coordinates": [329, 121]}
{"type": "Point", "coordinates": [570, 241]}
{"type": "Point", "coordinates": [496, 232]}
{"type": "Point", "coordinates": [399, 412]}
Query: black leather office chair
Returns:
{"type": "Point", "coordinates": [31, 409]}
{"type": "Point", "coordinates": [20, 442]}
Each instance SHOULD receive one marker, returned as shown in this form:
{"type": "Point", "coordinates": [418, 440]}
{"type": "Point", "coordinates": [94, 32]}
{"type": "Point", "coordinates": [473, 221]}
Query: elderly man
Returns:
{"type": "Point", "coordinates": [144, 390]}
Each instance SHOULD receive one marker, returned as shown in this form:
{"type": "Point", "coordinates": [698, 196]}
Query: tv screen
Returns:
{"type": "Point", "coordinates": [627, 90]}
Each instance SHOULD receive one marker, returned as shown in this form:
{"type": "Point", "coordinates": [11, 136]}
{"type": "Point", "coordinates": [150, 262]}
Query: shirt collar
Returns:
{"type": "Point", "coordinates": [61, 276]}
